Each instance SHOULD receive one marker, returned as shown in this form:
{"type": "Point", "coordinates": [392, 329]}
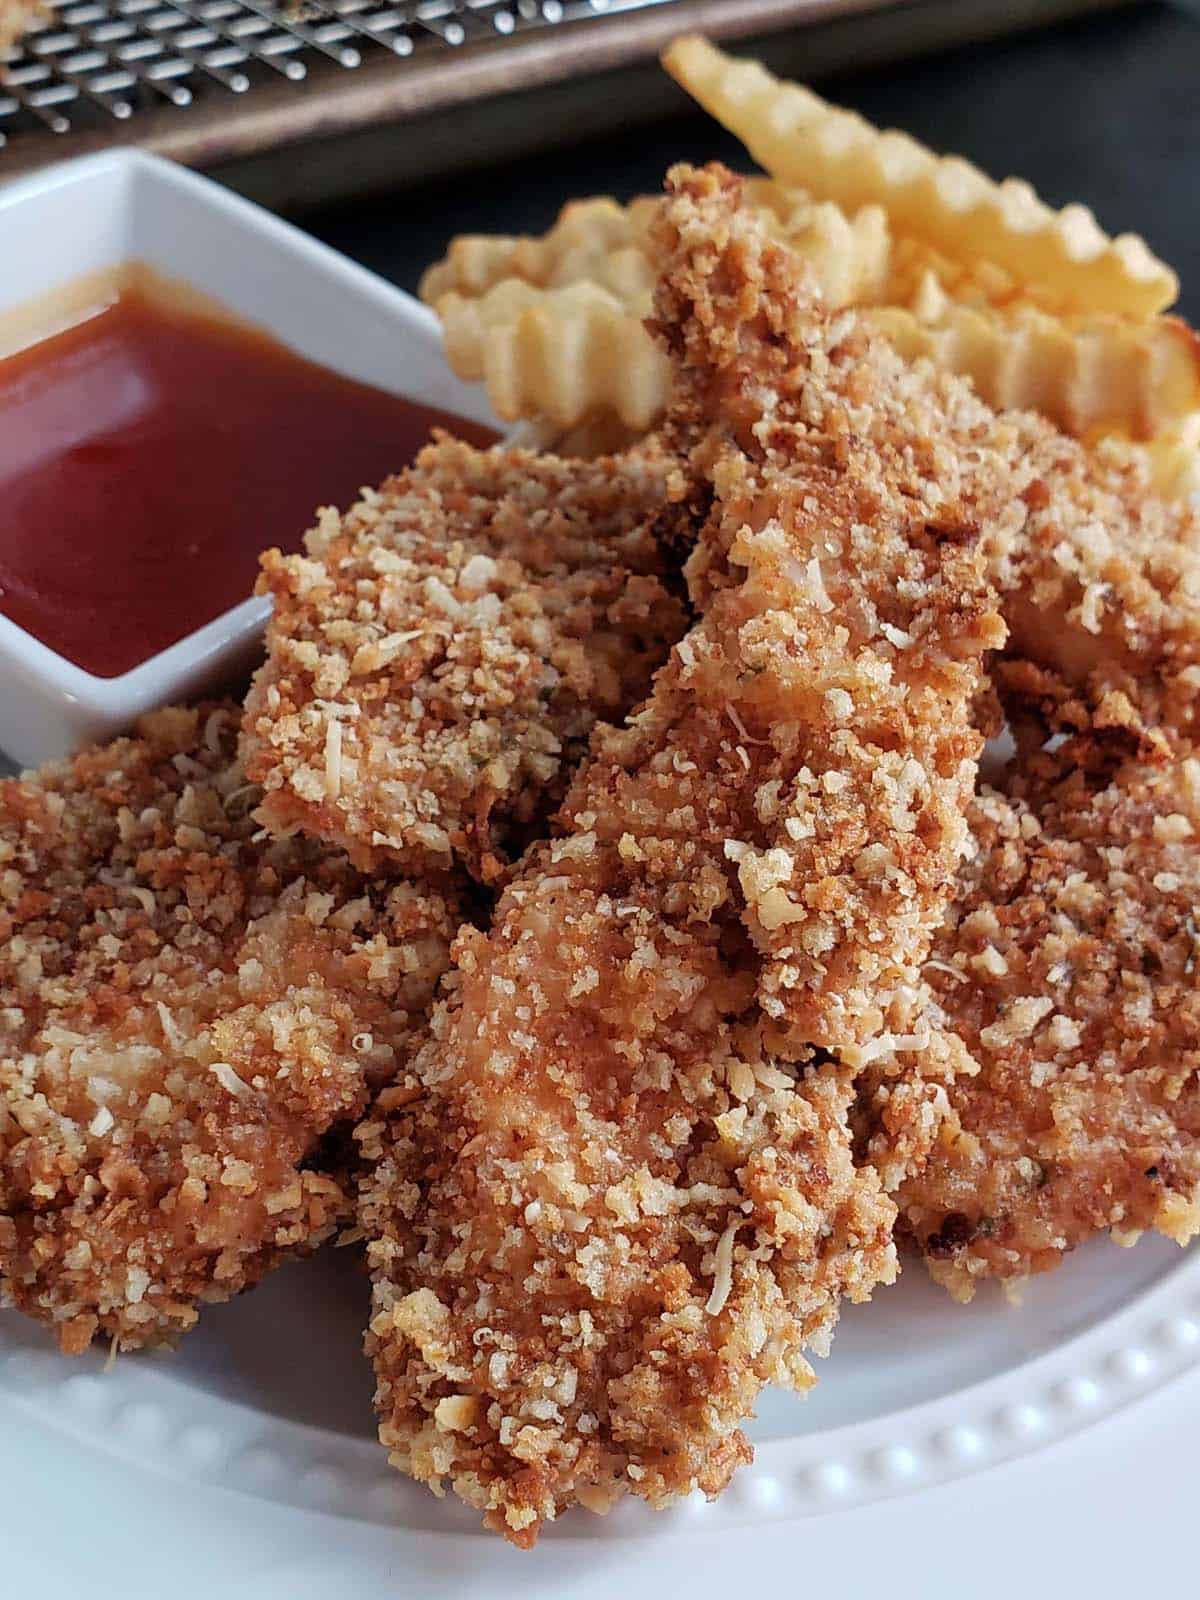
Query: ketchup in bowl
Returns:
{"type": "Point", "coordinates": [149, 451]}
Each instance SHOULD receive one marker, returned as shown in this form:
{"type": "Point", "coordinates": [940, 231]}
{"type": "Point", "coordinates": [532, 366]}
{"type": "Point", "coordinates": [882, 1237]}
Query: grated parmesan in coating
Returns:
{"type": "Point", "coordinates": [1079, 1003]}
{"type": "Point", "coordinates": [437, 658]}
{"type": "Point", "coordinates": [178, 1026]}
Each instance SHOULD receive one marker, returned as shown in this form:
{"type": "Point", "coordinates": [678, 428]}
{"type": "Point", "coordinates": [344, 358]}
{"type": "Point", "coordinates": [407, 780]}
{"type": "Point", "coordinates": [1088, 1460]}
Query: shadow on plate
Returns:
{"type": "Point", "coordinates": [293, 1347]}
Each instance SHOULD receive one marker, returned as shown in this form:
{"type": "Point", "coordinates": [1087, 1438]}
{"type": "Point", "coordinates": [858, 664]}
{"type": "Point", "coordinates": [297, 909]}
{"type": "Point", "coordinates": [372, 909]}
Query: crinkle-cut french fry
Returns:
{"type": "Point", "coordinates": [1087, 374]}
{"type": "Point", "coordinates": [837, 155]}
{"type": "Point", "coordinates": [850, 253]}
{"type": "Point", "coordinates": [585, 235]}
{"type": "Point", "coordinates": [553, 325]}
{"type": "Point", "coordinates": [1174, 457]}
{"type": "Point", "coordinates": [561, 354]}
{"type": "Point", "coordinates": [579, 359]}
{"type": "Point", "coordinates": [599, 241]}
{"type": "Point", "coordinates": [915, 263]}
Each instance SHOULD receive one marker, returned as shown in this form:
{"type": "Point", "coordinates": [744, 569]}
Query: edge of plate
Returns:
{"type": "Point", "coordinates": [138, 1413]}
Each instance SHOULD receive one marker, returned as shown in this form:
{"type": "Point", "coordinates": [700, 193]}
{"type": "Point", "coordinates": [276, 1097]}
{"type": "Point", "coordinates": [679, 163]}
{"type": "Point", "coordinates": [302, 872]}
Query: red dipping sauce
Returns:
{"type": "Point", "coordinates": [150, 451]}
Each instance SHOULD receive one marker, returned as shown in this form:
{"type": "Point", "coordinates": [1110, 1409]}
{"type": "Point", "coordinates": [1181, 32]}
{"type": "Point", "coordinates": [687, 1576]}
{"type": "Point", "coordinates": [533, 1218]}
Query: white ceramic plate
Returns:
{"type": "Point", "coordinates": [247, 1462]}
{"type": "Point", "coordinates": [270, 1398]}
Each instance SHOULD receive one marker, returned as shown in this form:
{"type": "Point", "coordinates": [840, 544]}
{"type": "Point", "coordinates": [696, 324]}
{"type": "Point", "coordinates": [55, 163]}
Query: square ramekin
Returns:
{"type": "Point", "coordinates": [101, 210]}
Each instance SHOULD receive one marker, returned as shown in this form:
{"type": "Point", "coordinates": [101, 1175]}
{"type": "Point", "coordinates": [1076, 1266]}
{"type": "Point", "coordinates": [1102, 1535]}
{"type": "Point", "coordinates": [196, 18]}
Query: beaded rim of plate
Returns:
{"type": "Point", "coordinates": [141, 1414]}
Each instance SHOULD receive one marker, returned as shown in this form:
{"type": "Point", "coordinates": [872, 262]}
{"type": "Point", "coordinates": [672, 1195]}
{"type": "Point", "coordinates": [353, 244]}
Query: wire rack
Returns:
{"type": "Point", "coordinates": [297, 101]}
{"type": "Point", "coordinates": [95, 63]}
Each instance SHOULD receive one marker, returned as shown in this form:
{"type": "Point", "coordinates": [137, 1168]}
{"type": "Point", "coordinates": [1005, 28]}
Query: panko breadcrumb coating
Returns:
{"type": "Point", "coordinates": [437, 659]}
{"type": "Point", "coordinates": [1098, 581]}
{"type": "Point", "coordinates": [810, 751]}
{"type": "Point", "coordinates": [1099, 577]}
{"type": "Point", "coordinates": [188, 1008]}
{"type": "Point", "coordinates": [605, 1210]}
{"type": "Point", "coordinates": [1068, 964]}
{"type": "Point", "coordinates": [601, 1219]}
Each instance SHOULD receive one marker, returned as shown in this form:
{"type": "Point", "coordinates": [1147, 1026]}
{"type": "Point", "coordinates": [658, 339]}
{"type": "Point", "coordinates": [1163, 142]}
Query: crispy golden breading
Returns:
{"type": "Point", "coordinates": [438, 658]}
{"type": "Point", "coordinates": [1099, 577]}
{"type": "Point", "coordinates": [187, 1010]}
{"type": "Point", "coordinates": [825, 701]}
{"type": "Point", "coordinates": [1068, 964]}
{"type": "Point", "coordinates": [601, 1218]}
{"type": "Point", "coordinates": [606, 1210]}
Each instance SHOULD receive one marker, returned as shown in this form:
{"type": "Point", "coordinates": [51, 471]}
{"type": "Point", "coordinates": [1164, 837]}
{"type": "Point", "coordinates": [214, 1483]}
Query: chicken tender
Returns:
{"type": "Point", "coordinates": [187, 1009]}
{"type": "Point", "coordinates": [1068, 964]}
{"type": "Point", "coordinates": [616, 1192]}
{"type": "Point", "coordinates": [601, 1217]}
{"type": "Point", "coordinates": [813, 738]}
{"type": "Point", "coordinates": [1099, 577]}
{"type": "Point", "coordinates": [437, 659]}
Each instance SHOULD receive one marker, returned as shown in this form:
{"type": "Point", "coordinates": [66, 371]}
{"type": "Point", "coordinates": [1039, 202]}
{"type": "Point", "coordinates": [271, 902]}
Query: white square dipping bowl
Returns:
{"type": "Point", "coordinates": [97, 212]}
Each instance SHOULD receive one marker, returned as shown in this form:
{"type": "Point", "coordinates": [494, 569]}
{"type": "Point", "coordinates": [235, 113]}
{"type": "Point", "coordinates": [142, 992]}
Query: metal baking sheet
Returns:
{"type": "Point", "coordinates": [304, 100]}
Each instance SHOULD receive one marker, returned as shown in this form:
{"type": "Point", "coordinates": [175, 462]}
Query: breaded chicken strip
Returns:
{"type": "Point", "coordinates": [826, 698]}
{"type": "Point", "coordinates": [186, 1010]}
{"type": "Point", "coordinates": [1098, 577]}
{"type": "Point", "coordinates": [601, 1218]}
{"type": "Point", "coordinates": [1068, 964]}
{"type": "Point", "coordinates": [605, 1209]}
{"type": "Point", "coordinates": [437, 659]}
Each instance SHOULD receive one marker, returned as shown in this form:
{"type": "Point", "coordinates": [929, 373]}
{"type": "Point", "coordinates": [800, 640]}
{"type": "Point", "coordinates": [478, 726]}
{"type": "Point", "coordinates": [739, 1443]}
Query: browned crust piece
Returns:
{"type": "Point", "coordinates": [1068, 965]}
{"type": "Point", "coordinates": [599, 1226]}
{"type": "Point", "coordinates": [830, 686]}
{"type": "Point", "coordinates": [606, 1208]}
{"type": "Point", "coordinates": [437, 659]}
{"type": "Point", "coordinates": [187, 1009]}
{"type": "Point", "coordinates": [1098, 582]}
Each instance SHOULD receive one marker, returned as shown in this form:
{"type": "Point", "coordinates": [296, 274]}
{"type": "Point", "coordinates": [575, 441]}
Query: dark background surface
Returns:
{"type": "Point", "coordinates": [1105, 110]}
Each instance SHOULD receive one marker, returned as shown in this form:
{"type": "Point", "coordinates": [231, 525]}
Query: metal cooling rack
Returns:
{"type": "Point", "coordinates": [97, 62]}
{"type": "Point", "coordinates": [298, 100]}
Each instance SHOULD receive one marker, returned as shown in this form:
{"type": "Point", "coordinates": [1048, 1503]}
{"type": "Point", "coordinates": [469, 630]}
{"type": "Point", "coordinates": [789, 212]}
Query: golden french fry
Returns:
{"type": "Point", "coordinates": [578, 356]}
{"type": "Point", "coordinates": [945, 201]}
{"type": "Point", "coordinates": [915, 266]}
{"type": "Point", "coordinates": [553, 325]}
{"type": "Point", "coordinates": [560, 354]}
{"type": "Point", "coordinates": [1090, 375]}
{"type": "Point", "coordinates": [599, 241]}
{"type": "Point", "coordinates": [587, 234]}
